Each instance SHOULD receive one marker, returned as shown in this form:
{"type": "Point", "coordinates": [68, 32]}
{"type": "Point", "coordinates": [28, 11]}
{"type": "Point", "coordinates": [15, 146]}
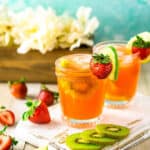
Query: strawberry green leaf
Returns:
{"type": "Point", "coordinates": [101, 58]}
{"type": "Point", "coordinates": [43, 87]}
{"type": "Point", "coordinates": [140, 43]}
{"type": "Point", "coordinates": [22, 80]}
{"type": "Point", "coordinates": [32, 105]}
{"type": "Point", "coordinates": [3, 130]}
{"type": "Point", "coordinates": [2, 107]}
{"type": "Point", "coordinates": [56, 96]}
{"type": "Point", "coordinates": [36, 103]}
{"type": "Point", "coordinates": [25, 115]}
{"type": "Point", "coordinates": [14, 141]}
{"type": "Point", "coordinates": [10, 83]}
{"type": "Point", "coordinates": [29, 103]}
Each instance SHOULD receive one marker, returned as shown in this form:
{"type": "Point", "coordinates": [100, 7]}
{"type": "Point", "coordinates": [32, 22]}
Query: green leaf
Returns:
{"type": "Point", "coordinates": [32, 105]}
{"type": "Point", "coordinates": [140, 43]}
{"type": "Point", "coordinates": [3, 130]}
{"type": "Point", "coordinates": [22, 80]}
{"type": "Point", "coordinates": [10, 83]}
{"type": "Point", "coordinates": [14, 141]}
{"type": "Point", "coordinates": [2, 107]}
{"type": "Point", "coordinates": [43, 87]}
{"type": "Point", "coordinates": [101, 58]}
{"type": "Point", "coordinates": [36, 103]}
{"type": "Point", "coordinates": [25, 116]}
{"type": "Point", "coordinates": [56, 96]}
{"type": "Point", "coordinates": [29, 103]}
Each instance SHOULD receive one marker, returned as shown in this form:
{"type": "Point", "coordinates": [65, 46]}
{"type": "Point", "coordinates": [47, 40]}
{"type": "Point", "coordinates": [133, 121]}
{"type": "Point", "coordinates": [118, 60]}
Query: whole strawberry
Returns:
{"type": "Point", "coordinates": [46, 95]}
{"type": "Point", "coordinates": [18, 88]}
{"type": "Point", "coordinates": [37, 112]}
{"type": "Point", "coordinates": [100, 65]}
{"type": "Point", "coordinates": [141, 47]}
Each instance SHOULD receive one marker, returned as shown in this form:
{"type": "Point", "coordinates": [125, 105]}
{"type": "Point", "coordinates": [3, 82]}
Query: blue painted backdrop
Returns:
{"type": "Point", "coordinates": [120, 19]}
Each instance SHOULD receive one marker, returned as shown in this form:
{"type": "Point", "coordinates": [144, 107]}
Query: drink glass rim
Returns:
{"type": "Point", "coordinates": [121, 42]}
{"type": "Point", "coordinates": [116, 42]}
{"type": "Point", "coordinates": [74, 72]}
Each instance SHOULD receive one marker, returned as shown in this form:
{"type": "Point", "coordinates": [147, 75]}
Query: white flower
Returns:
{"type": "Point", "coordinates": [41, 29]}
{"type": "Point", "coordinates": [83, 14]}
{"type": "Point", "coordinates": [91, 26]}
{"type": "Point", "coordinates": [5, 27]}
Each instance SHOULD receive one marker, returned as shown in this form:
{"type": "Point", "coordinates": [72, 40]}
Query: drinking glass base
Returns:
{"type": "Point", "coordinates": [89, 123]}
{"type": "Point", "coordinates": [116, 104]}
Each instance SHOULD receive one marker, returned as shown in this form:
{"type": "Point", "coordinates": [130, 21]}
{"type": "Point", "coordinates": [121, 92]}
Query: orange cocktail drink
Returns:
{"type": "Point", "coordinates": [81, 93]}
{"type": "Point", "coordinates": [122, 90]}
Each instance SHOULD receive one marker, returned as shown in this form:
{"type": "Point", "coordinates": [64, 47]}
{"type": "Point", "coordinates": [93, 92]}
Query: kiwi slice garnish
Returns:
{"type": "Point", "coordinates": [76, 142]}
{"type": "Point", "coordinates": [113, 131]}
{"type": "Point", "coordinates": [94, 137]}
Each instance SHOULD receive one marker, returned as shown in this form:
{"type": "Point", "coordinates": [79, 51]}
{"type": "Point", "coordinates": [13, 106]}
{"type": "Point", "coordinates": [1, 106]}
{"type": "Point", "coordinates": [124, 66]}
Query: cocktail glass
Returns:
{"type": "Point", "coordinates": [81, 93]}
{"type": "Point", "coordinates": [120, 92]}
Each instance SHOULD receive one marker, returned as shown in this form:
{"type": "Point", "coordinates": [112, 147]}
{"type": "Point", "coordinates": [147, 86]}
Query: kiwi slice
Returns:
{"type": "Point", "coordinates": [76, 142]}
{"type": "Point", "coordinates": [113, 131]}
{"type": "Point", "coordinates": [94, 137]}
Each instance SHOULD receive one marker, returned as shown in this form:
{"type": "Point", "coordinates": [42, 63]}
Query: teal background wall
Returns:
{"type": "Point", "coordinates": [119, 19]}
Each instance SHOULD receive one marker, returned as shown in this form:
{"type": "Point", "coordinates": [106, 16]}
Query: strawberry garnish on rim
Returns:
{"type": "Point", "coordinates": [101, 65]}
{"type": "Point", "coordinates": [141, 47]}
{"type": "Point", "coordinates": [37, 112]}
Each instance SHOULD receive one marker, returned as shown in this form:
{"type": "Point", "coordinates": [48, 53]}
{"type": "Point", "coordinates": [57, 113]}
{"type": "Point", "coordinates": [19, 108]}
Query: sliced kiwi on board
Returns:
{"type": "Point", "coordinates": [113, 131]}
{"type": "Point", "coordinates": [94, 137]}
{"type": "Point", "coordinates": [76, 142]}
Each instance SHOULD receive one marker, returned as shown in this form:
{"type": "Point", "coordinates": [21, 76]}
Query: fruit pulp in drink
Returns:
{"type": "Point", "coordinates": [124, 88]}
{"type": "Point", "coordinates": [81, 93]}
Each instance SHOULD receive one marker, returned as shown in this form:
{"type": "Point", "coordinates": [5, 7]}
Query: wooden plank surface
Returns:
{"type": "Point", "coordinates": [34, 66]}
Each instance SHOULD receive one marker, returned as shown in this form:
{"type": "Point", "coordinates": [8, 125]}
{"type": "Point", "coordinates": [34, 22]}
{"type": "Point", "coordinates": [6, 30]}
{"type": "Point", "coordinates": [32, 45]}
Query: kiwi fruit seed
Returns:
{"type": "Point", "coordinates": [94, 137]}
{"type": "Point", "coordinates": [76, 142]}
{"type": "Point", "coordinates": [113, 131]}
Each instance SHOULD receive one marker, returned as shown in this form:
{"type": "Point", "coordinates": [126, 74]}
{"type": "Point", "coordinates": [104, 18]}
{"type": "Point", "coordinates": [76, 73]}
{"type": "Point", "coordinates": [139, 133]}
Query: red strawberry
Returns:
{"type": "Point", "coordinates": [7, 117]}
{"type": "Point", "coordinates": [46, 96]}
{"type": "Point", "coordinates": [141, 47]}
{"type": "Point", "coordinates": [18, 89]}
{"type": "Point", "coordinates": [142, 52]}
{"type": "Point", "coordinates": [5, 142]}
{"type": "Point", "coordinates": [37, 113]}
{"type": "Point", "coordinates": [101, 65]}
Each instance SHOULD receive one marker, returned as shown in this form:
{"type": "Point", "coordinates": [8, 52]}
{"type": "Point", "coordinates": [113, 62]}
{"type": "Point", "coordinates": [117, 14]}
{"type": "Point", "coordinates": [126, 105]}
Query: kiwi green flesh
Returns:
{"type": "Point", "coordinates": [113, 131]}
{"type": "Point", "coordinates": [76, 142]}
{"type": "Point", "coordinates": [94, 137]}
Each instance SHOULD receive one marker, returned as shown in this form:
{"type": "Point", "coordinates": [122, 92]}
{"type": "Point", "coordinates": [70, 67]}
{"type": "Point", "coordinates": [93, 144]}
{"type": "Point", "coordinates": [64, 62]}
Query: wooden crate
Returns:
{"type": "Point", "coordinates": [34, 66]}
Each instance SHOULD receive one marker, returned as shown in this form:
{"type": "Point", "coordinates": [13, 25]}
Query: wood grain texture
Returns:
{"type": "Point", "coordinates": [34, 66]}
